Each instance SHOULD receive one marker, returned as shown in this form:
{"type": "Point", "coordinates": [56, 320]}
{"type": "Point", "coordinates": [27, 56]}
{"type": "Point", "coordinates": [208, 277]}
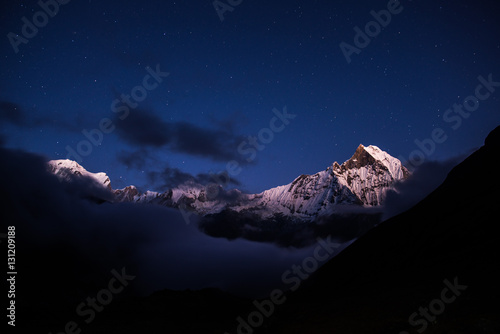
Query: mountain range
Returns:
{"type": "Point", "coordinates": [361, 181]}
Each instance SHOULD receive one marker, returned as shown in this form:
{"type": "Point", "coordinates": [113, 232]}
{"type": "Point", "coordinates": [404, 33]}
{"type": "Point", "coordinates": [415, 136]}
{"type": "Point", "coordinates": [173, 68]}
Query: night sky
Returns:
{"type": "Point", "coordinates": [225, 78]}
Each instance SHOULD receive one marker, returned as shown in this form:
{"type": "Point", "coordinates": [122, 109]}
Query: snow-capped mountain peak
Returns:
{"type": "Point", "coordinates": [369, 173]}
{"type": "Point", "coordinates": [361, 180]}
{"type": "Point", "coordinates": [66, 169]}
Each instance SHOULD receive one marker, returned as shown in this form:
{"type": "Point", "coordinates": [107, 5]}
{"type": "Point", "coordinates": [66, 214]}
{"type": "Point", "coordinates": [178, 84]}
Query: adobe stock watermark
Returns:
{"type": "Point", "coordinates": [93, 305]}
{"type": "Point", "coordinates": [225, 6]}
{"type": "Point", "coordinates": [455, 117]}
{"type": "Point", "coordinates": [372, 29]}
{"type": "Point", "coordinates": [426, 315]}
{"type": "Point", "coordinates": [40, 19]}
{"type": "Point", "coordinates": [293, 278]}
{"type": "Point", "coordinates": [121, 107]}
{"type": "Point", "coordinates": [248, 149]}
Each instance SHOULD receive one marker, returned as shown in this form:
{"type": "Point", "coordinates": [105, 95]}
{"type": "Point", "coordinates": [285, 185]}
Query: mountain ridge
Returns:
{"type": "Point", "coordinates": [362, 180]}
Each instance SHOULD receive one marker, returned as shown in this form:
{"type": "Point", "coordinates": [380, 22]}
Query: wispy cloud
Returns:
{"type": "Point", "coordinates": [172, 177]}
{"type": "Point", "coordinates": [12, 113]}
{"type": "Point", "coordinates": [144, 129]}
{"type": "Point", "coordinates": [421, 183]}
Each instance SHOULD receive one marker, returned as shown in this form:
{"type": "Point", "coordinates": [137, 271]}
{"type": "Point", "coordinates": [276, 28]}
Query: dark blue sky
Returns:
{"type": "Point", "coordinates": [225, 78]}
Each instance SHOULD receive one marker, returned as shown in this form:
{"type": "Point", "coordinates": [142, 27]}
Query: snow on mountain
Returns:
{"type": "Point", "coordinates": [369, 173]}
{"type": "Point", "coordinates": [394, 166]}
{"type": "Point", "coordinates": [360, 181]}
{"type": "Point", "coordinates": [67, 169]}
{"type": "Point", "coordinates": [127, 194]}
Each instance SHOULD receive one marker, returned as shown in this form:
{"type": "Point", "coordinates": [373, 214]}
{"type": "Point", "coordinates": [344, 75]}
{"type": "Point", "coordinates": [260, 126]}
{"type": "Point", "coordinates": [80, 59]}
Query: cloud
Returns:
{"type": "Point", "coordinates": [75, 241]}
{"type": "Point", "coordinates": [136, 159]}
{"type": "Point", "coordinates": [167, 177]}
{"type": "Point", "coordinates": [12, 113]}
{"type": "Point", "coordinates": [424, 180]}
{"type": "Point", "coordinates": [218, 145]}
{"type": "Point", "coordinates": [144, 129]}
{"type": "Point", "coordinates": [231, 123]}
{"type": "Point", "coordinates": [170, 178]}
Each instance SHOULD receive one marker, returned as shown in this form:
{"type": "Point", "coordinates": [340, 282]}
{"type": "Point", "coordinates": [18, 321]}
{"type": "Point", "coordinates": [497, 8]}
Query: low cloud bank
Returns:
{"type": "Point", "coordinates": [69, 238]}
{"type": "Point", "coordinates": [424, 180]}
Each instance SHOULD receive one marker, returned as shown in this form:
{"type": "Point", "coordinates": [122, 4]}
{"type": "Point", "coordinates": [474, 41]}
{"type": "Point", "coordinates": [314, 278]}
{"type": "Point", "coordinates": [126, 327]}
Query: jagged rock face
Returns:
{"type": "Point", "coordinates": [361, 158]}
{"type": "Point", "coordinates": [369, 173]}
{"type": "Point", "coordinates": [360, 181]}
{"type": "Point", "coordinates": [307, 195]}
{"type": "Point", "coordinates": [126, 194]}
